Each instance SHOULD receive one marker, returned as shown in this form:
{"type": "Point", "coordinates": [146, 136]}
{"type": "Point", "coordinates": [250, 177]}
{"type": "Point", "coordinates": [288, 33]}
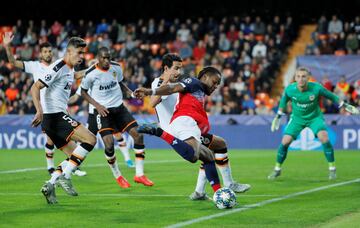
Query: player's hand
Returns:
{"type": "Point", "coordinates": [7, 38]}
{"type": "Point", "coordinates": [140, 93]}
{"type": "Point", "coordinates": [352, 109]}
{"type": "Point", "coordinates": [275, 123]}
{"type": "Point", "coordinates": [37, 119]}
{"type": "Point", "coordinates": [102, 110]}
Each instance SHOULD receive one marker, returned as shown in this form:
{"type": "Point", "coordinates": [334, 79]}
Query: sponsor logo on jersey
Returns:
{"type": "Point", "coordinates": [109, 86]}
{"type": "Point", "coordinates": [68, 86]}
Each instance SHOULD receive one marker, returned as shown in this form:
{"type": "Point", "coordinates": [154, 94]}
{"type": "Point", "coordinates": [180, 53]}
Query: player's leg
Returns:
{"type": "Point", "coordinates": [219, 147]}
{"type": "Point", "coordinates": [124, 149]}
{"type": "Point", "coordinates": [49, 153]}
{"type": "Point", "coordinates": [139, 149]}
{"type": "Point", "coordinates": [187, 144]}
{"type": "Point", "coordinates": [319, 129]}
{"type": "Point", "coordinates": [87, 142]}
{"type": "Point", "coordinates": [292, 130]}
{"type": "Point", "coordinates": [126, 122]}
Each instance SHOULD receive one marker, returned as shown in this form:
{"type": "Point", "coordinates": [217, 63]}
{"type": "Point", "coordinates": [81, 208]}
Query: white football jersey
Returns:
{"type": "Point", "coordinates": [104, 85]}
{"type": "Point", "coordinates": [36, 68]}
{"type": "Point", "coordinates": [165, 109]}
{"type": "Point", "coordinates": [58, 81]}
{"type": "Point", "coordinates": [91, 107]}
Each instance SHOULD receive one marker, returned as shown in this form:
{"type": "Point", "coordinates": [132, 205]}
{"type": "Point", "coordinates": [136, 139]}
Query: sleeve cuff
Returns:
{"type": "Point", "coordinates": [46, 85]}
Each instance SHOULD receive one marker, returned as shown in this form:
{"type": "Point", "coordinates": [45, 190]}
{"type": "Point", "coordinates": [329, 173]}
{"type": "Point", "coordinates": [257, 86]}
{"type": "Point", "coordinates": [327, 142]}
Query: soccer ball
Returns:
{"type": "Point", "coordinates": [224, 198]}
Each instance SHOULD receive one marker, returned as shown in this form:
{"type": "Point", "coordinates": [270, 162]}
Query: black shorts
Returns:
{"type": "Point", "coordinates": [92, 124]}
{"type": "Point", "coordinates": [206, 139]}
{"type": "Point", "coordinates": [118, 119]}
{"type": "Point", "coordinates": [59, 127]}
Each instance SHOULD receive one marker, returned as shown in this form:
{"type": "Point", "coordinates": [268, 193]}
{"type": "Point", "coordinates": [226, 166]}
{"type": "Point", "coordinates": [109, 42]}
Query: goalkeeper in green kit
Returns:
{"type": "Point", "coordinates": [306, 112]}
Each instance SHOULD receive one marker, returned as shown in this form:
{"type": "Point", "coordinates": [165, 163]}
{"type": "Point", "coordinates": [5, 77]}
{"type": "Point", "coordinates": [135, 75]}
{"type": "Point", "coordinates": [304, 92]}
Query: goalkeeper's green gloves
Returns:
{"type": "Point", "coordinates": [276, 121]}
{"type": "Point", "coordinates": [349, 108]}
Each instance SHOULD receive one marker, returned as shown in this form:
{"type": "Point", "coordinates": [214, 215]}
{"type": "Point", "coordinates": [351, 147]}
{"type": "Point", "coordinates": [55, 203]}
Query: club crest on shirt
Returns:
{"type": "Point", "coordinates": [188, 80]}
{"type": "Point", "coordinates": [114, 74]}
{"type": "Point", "coordinates": [311, 97]}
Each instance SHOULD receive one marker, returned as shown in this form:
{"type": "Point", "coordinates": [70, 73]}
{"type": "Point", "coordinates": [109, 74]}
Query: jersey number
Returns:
{"type": "Point", "coordinates": [98, 121]}
{"type": "Point", "coordinates": [70, 120]}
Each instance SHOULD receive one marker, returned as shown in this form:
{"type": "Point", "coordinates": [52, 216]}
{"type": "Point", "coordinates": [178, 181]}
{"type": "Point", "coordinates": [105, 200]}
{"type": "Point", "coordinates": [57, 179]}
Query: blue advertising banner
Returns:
{"type": "Point", "coordinates": [240, 132]}
{"type": "Point", "coordinates": [333, 66]}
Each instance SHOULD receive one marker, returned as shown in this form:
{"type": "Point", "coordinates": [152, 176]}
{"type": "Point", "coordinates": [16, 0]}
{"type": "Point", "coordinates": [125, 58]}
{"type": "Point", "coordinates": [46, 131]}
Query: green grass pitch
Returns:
{"type": "Point", "coordinates": [101, 203]}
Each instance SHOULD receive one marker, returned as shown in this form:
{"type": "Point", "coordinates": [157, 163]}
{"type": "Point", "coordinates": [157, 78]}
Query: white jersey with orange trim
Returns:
{"type": "Point", "coordinates": [58, 80]}
{"type": "Point", "coordinates": [164, 109]}
{"type": "Point", "coordinates": [36, 68]}
{"type": "Point", "coordinates": [104, 85]}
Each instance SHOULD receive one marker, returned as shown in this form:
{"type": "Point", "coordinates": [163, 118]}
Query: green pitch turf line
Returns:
{"type": "Point", "coordinates": [262, 203]}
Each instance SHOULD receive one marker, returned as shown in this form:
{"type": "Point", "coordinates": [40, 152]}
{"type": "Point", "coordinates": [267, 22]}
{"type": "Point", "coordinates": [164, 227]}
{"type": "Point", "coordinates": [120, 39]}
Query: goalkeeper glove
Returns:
{"type": "Point", "coordinates": [349, 108]}
{"type": "Point", "coordinates": [276, 121]}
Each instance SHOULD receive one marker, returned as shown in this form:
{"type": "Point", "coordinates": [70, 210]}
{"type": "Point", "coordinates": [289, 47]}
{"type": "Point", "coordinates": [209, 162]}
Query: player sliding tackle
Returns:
{"type": "Point", "coordinates": [306, 112]}
{"type": "Point", "coordinates": [189, 120]}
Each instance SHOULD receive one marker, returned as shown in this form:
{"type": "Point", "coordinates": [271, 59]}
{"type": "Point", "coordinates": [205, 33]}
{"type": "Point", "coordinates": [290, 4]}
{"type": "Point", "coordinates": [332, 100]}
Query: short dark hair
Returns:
{"type": "Point", "coordinates": [168, 59]}
{"type": "Point", "coordinates": [102, 49]}
{"type": "Point", "coordinates": [45, 45]}
{"type": "Point", "coordinates": [76, 42]}
{"type": "Point", "coordinates": [209, 70]}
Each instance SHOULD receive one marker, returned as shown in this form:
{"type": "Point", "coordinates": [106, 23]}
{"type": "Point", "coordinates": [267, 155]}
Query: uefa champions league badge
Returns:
{"type": "Point", "coordinates": [311, 97]}
{"type": "Point", "coordinates": [48, 77]}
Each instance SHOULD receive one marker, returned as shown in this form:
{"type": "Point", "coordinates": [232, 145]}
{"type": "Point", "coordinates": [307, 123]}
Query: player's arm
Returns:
{"type": "Point", "coordinates": [128, 92]}
{"type": "Point", "coordinates": [335, 99]}
{"type": "Point", "coordinates": [73, 99]}
{"type": "Point", "coordinates": [7, 39]}
{"type": "Point", "coordinates": [100, 108]}
{"type": "Point", "coordinates": [79, 74]}
{"type": "Point", "coordinates": [35, 93]}
{"type": "Point", "coordinates": [162, 90]}
{"type": "Point", "coordinates": [155, 100]}
{"type": "Point", "coordinates": [275, 124]}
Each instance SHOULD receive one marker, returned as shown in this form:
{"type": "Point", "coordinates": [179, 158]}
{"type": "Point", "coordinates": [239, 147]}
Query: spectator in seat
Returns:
{"type": "Point", "coordinates": [335, 25]}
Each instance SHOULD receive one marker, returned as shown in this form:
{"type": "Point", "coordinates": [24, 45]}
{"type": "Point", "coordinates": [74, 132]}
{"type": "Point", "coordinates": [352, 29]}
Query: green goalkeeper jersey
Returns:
{"type": "Point", "coordinates": [305, 105]}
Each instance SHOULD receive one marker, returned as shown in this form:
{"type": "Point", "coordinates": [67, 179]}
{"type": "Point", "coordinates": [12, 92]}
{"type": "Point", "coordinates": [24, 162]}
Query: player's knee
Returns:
{"type": "Point", "coordinates": [324, 139]}
{"type": "Point", "coordinates": [109, 150]}
{"type": "Point", "coordinates": [286, 141]}
{"type": "Point", "coordinates": [221, 143]}
{"type": "Point", "coordinates": [138, 138]}
{"type": "Point", "coordinates": [91, 139]}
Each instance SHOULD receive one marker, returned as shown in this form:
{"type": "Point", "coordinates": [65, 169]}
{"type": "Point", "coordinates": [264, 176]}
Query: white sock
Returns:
{"type": "Point", "coordinates": [54, 176]}
{"type": "Point", "coordinates": [225, 170]}
{"type": "Point", "coordinates": [113, 166]}
{"type": "Point", "coordinates": [80, 153]}
{"type": "Point", "coordinates": [139, 167]}
{"type": "Point", "coordinates": [124, 150]}
{"type": "Point", "coordinates": [201, 182]}
{"type": "Point", "coordinates": [139, 162]}
{"type": "Point", "coordinates": [49, 157]}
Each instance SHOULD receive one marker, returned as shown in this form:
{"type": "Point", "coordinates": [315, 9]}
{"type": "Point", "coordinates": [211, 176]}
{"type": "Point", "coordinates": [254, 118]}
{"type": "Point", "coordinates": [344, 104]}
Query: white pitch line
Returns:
{"type": "Point", "coordinates": [113, 195]}
{"type": "Point", "coordinates": [90, 166]}
{"type": "Point", "coordinates": [262, 203]}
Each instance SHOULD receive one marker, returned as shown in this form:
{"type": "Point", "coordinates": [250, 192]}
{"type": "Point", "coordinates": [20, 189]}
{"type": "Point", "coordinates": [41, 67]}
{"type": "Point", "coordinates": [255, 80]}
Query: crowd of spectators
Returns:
{"type": "Point", "coordinates": [337, 37]}
{"type": "Point", "coordinates": [248, 50]}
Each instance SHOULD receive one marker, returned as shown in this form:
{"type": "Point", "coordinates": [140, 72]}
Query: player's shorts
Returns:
{"type": "Point", "coordinates": [185, 127]}
{"type": "Point", "coordinates": [118, 119]}
{"type": "Point", "coordinates": [294, 127]}
{"type": "Point", "coordinates": [207, 139]}
{"type": "Point", "coordinates": [92, 125]}
{"type": "Point", "coordinates": [59, 127]}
